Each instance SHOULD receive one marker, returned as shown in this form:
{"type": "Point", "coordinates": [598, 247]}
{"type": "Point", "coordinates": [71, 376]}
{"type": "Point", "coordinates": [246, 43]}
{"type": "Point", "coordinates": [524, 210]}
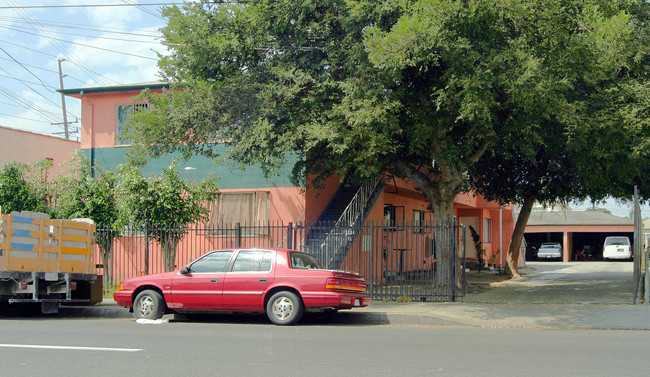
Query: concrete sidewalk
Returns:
{"type": "Point", "coordinates": [585, 295]}
{"type": "Point", "coordinates": [628, 317]}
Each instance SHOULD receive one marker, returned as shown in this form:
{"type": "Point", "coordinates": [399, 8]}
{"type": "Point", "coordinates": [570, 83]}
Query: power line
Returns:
{"type": "Point", "coordinates": [17, 79]}
{"type": "Point", "coordinates": [80, 35]}
{"type": "Point", "coordinates": [88, 5]}
{"type": "Point", "coordinates": [27, 48]}
{"type": "Point", "coordinates": [55, 56]}
{"type": "Point", "coordinates": [25, 68]}
{"type": "Point", "coordinates": [34, 130]}
{"type": "Point", "coordinates": [26, 107]}
{"type": "Point", "coordinates": [28, 104]}
{"type": "Point", "coordinates": [89, 27]}
{"type": "Point", "coordinates": [44, 69]}
{"type": "Point", "coordinates": [144, 9]}
{"type": "Point", "coordinates": [25, 118]}
{"type": "Point", "coordinates": [27, 17]}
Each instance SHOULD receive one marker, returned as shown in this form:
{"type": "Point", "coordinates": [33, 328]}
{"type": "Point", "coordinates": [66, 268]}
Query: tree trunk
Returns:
{"type": "Point", "coordinates": [105, 242]}
{"type": "Point", "coordinates": [168, 246]}
{"type": "Point", "coordinates": [107, 261]}
{"type": "Point", "coordinates": [444, 241]}
{"type": "Point", "coordinates": [517, 236]}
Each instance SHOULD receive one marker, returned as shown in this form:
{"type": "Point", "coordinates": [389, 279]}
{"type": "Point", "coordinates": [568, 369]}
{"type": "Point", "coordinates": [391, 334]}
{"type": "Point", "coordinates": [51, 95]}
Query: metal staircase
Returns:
{"type": "Point", "coordinates": [339, 225]}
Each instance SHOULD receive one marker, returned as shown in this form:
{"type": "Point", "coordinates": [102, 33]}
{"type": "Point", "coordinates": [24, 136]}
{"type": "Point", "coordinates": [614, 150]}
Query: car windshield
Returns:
{"type": "Point", "coordinates": [550, 246]}
{"type": "Point", "coordinates": [302, 260]}
{"type": "Point", "coordinates": [617, 241]}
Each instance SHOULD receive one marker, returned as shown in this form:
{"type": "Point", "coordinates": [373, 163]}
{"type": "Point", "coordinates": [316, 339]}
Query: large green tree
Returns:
{"type": "Point", "coordinates": [581, 135]}
{"type": "Point", "coordinates": [415, 89]}
{"type": "Point", "coordinates": [358, 88]}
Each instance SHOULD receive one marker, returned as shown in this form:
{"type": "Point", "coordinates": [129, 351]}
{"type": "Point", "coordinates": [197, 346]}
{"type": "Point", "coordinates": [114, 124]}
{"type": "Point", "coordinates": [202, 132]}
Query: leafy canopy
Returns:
{"type": "Point", "coordinates": [82, 195]}
{"type": "Point", "coordinates": [418, 89]}
{"type": "Point", "coordinates": [21, 189]}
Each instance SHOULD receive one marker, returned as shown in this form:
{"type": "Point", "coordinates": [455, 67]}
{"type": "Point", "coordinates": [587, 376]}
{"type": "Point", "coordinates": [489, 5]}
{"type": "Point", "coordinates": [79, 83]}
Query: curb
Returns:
{"type": "Point", "coordinates": [612, 317]}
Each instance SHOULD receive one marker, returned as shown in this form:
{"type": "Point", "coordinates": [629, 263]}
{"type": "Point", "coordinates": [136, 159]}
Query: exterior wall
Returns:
{"type": "Point", "coordinates": [28, 147]}
{"type": "Point", "coordinates": [98, 112]}
{"type": "Point", "coordinates": [317, 201]}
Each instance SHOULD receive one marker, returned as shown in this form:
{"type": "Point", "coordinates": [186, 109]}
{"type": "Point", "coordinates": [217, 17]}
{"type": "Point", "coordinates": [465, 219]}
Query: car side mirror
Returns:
{"type": "Point", "coordinates": [185, 270]}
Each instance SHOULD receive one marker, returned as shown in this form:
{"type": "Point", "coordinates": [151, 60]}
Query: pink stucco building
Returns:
{"type": "Point", "coordinates": [28, 147]}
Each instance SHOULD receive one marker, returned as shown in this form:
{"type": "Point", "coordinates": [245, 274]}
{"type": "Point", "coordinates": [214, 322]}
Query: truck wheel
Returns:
{"type": "Point", "coordinates": [149, 304]}
{"type": "Point", "coordinates": [284, 308]}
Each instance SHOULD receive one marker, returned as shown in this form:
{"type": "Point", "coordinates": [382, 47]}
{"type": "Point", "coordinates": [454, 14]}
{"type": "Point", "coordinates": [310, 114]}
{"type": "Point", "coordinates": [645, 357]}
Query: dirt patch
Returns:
{"type": "Point", "coordinates": [480, 282]}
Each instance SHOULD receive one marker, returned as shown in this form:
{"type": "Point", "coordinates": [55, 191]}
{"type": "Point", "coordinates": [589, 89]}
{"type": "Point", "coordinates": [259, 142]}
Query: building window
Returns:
{"type": "Point", "coordinates": [487, 230]}
{"type": "Point", "coordinates": [418, 221]}
{"type": "Point", "coordinates": [389, 215]}
{"type": "Point", "coordinates": [123, 113]}
{"type": "Point", "coordinates": [252, 210]}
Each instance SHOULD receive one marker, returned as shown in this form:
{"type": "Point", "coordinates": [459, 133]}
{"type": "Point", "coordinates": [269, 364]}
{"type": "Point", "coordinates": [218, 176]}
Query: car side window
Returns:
{"type": "Point", "coordinates": [252, 260]}
{"type": "Point", "coordinates": [213, 262]}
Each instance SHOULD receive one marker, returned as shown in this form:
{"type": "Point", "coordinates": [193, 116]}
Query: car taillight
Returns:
{"type": "Point", "coordinates": [333, 283]}
{"type": "Point", "coordinates": [73, 285]}
{"type": "Point", "coordinates": [120, 287]}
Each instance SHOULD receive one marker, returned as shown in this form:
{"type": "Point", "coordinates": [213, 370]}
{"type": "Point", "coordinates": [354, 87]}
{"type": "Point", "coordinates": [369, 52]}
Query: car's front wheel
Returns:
{"type": "Point", "coordinates": [149, 304]}
{"type": "Point", "coordinates": [284, 308]}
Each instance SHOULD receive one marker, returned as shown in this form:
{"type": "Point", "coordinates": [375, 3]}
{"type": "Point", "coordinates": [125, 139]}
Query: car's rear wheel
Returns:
{"type": "Point", "coordinates": [284, 308]}
{"type": "Point", "coordinates": [149, 304]}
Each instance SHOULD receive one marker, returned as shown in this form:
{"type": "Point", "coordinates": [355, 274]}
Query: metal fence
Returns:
{"type": "Point", "coordinates": [423, 262]}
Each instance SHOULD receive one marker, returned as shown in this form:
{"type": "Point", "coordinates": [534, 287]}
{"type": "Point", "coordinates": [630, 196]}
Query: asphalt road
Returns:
{"type": "Point", "coordinates": [252, 347]}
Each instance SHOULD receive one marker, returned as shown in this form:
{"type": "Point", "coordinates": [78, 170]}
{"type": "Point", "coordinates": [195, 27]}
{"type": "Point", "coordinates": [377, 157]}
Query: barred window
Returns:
{"type": "Point", "coordinates": [123, 114]}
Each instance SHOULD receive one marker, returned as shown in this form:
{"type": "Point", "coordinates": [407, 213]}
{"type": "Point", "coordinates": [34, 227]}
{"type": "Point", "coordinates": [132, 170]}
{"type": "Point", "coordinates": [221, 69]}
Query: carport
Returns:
{"type": "Point", "coordinates": [575, 230]}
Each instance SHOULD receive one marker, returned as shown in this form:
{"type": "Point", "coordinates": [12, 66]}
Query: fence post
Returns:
{"type": "Point", "coordinates": [452, 260]}
{"type": "Point", "coordinates": [238, 235]}
{"type": "Point", "coordinates": [372, 259]}
{"type": "Point", "coordinates": [290, 236]}
{"type": "Point", "coordinates": [146, 249]}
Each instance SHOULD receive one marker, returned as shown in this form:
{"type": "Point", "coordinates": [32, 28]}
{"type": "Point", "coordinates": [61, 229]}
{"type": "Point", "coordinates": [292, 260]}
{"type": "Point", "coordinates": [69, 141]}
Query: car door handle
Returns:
{"type": "Point", "coordinates": [262, 280]}
{"type": "Point", "coordinates": [214, 280]}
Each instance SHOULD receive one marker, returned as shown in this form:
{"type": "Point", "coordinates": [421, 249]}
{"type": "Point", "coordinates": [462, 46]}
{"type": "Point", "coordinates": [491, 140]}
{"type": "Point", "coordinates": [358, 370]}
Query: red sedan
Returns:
{"type": "Point", "coordinates": [284, 283]}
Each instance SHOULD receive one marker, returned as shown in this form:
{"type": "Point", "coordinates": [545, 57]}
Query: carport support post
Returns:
{"type": "Point", "coordinates": [565, 246]}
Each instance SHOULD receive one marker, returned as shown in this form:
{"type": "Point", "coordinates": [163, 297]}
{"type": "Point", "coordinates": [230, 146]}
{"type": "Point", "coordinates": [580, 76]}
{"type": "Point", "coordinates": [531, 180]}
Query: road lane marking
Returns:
{"type": "Point", "coordinates": [71, 348]}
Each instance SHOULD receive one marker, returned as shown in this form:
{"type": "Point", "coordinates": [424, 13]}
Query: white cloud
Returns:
{"type": "Point", "coordinates": [39, 55]}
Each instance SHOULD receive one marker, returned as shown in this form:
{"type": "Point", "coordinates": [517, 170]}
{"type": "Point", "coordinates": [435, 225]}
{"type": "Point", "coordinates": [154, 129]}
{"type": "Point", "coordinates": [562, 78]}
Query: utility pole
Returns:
{"type": "Point", "coordinates": [65, 116]}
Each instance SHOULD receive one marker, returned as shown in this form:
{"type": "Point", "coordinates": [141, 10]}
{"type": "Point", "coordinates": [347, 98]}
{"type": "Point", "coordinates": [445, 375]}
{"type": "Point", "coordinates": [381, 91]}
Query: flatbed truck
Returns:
{"type": "Point", "coordinates": [47, 261]}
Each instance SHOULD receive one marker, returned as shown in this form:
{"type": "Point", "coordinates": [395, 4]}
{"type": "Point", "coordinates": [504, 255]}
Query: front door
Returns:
{"type": "Point", "coordinates": [201, 288]}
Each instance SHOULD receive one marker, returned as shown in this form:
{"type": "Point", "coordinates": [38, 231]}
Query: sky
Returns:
{"type": "Point", "coordinates": [102, 45]}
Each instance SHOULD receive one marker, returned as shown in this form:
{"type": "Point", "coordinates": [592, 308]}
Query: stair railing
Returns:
{"type": "Point", "coordinates": [354, 210]}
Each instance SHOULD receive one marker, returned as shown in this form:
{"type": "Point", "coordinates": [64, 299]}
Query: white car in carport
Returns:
{"type": "Point", "coordinates": [617, 247]}
{"type": "Point", "coordinates": [550, 250]}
